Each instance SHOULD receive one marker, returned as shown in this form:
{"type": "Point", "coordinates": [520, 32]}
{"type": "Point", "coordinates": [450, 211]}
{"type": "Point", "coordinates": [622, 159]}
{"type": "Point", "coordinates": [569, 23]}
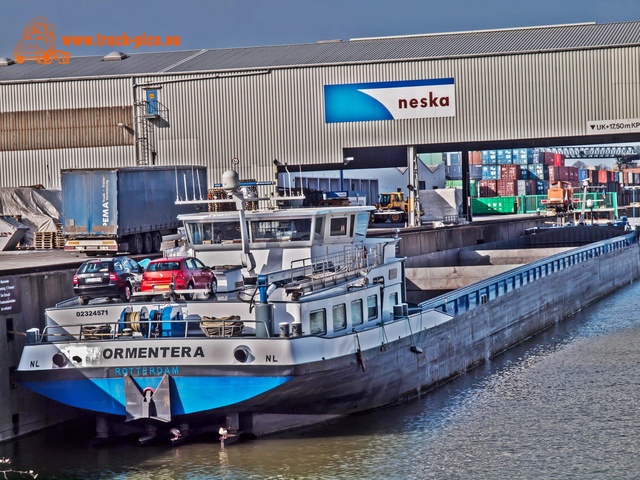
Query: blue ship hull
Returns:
{"type": "Point", "coordinates": [191, 394]}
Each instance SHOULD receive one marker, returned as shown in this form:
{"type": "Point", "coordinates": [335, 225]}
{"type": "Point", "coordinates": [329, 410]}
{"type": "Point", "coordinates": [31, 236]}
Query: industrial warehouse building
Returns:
{"type": "Point", "coordinates": [334, 105]}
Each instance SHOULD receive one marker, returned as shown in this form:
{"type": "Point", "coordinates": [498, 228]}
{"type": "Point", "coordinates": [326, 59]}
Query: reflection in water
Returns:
{"type": "Point", "coordinates": [562, 405]}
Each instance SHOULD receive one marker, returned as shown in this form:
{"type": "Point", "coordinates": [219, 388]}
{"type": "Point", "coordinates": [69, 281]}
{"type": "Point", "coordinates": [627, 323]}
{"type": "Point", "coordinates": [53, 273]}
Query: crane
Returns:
{"type": "Point", "coordinates": [623, 154]}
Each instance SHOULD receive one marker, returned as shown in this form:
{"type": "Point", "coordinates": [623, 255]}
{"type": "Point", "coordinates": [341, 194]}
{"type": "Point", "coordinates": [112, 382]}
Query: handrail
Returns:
{"type": "Point", "coordinates": [466, 298]}
{"type": "Point", "coordinates": [113, 330]}
{"type": "Point", "coordinates": [328, 269]}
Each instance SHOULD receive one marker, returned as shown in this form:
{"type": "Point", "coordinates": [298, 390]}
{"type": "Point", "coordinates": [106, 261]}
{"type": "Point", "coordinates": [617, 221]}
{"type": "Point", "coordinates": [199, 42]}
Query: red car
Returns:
{"type": "Point", "coordinates": [184, 273]}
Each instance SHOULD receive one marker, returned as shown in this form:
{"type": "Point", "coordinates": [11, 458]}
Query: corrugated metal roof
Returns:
{"type": "Point", "coordinates": [431, 46]}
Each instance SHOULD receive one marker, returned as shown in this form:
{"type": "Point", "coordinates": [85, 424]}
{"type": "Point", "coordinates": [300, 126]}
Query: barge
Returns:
{"type": "Point", "coordinates": [309, 322]}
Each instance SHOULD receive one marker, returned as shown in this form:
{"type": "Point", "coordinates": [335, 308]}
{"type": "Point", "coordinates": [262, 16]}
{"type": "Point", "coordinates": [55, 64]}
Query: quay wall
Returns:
{"type": "Point", "coordinates": [25, 298]}
{"type": "Point", "coordinates": [488, 329]}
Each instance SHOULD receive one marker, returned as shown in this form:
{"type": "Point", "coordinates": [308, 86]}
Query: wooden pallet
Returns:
{"type": "Point", "coordinates": [49, 240]}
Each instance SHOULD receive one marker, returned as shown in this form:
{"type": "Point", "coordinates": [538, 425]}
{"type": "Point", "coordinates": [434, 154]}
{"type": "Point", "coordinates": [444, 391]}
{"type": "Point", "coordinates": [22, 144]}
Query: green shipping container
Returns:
{"type": "Point", "coordinates": [493, 205]}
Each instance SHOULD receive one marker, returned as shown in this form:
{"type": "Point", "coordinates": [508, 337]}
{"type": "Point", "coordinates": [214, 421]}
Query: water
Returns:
{"type": "Point", "coordinates": [564, 405]}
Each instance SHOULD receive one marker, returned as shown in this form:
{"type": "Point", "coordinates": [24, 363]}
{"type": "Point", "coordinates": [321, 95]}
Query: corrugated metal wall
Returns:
{"type": "Point", "coordinates": [69, 128]}
{"type": "Point", "coordinates": [280, 114]}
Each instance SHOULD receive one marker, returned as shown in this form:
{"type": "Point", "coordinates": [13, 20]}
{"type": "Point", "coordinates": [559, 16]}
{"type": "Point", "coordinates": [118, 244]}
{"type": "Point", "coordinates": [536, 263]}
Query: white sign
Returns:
{"type": "Point", "coordinates": [631, 125]}
{"type": "Point", "coordinates": [416, 102]}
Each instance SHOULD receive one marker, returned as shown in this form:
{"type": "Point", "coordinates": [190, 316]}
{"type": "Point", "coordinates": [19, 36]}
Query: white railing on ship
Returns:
{"type": "Point", "coordinates": [466, 298]}
{"type": "Point", "coordinates": [331, 268]}
{"type": "Point", "coordinates": [178, 328]}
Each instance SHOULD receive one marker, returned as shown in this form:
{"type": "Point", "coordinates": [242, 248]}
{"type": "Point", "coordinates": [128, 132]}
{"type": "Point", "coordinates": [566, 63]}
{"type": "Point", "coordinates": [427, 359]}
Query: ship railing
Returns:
{"type": "Point", "coordinates": [464, 299]}
{"type": "Point", "coordinates": [332, 269]}
{"type": "Point", "coordinates": [190, 327]}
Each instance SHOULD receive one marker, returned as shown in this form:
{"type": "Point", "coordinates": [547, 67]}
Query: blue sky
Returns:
{"type": "Point", "coordinates": [228, 23]}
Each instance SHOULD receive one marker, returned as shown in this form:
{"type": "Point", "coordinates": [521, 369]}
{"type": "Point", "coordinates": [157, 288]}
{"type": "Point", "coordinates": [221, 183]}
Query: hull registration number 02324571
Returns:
{"type": "Point", "coordinates": [91, 313]}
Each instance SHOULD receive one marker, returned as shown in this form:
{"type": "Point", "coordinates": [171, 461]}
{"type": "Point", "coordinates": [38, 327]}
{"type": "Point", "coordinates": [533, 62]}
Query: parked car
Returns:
{"type": "Point", "coordinates": [113, 277]}
{"type": "Point", "coordinates": [177, 273]}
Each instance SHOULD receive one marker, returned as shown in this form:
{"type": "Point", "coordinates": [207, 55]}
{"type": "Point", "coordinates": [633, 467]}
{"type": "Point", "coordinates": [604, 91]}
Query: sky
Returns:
{"type": "Point", "coordinates": [227, 23]}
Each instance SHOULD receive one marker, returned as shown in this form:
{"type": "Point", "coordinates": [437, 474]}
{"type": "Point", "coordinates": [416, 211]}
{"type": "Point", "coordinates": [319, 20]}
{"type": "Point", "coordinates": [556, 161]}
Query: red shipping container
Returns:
{"type": "Point", "coordinates": [475, 157]}
{"type": "Point", "coordinates": [487, 188]}
{"type": "Point", "coordinates": [548, 158]}
{"type": "Point", "coordinates": [573, 174]}
{"type": "Point", "coordinates": [554, 174]}
{"type": "Point", "coordinates": [558, 159]}
{"type": "Point", "coordinates": [510, 172]}
{"type": "Point", "coordinates": [603, 176]}
{"type": "Point", "coordinates": [506, 188]}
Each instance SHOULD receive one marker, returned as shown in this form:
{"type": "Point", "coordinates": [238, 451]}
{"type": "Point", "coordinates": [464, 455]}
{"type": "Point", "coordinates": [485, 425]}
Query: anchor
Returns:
{"type": "Point", "coordinates": [147, 403]}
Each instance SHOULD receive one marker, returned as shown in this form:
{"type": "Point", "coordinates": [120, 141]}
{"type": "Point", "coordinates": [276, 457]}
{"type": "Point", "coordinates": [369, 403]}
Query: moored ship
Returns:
{"type": "Point", "coordinates": [308, 322]}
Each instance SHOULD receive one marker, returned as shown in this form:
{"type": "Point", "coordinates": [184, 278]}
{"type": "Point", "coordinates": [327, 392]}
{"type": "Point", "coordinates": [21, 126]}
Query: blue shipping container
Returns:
{"type": "Point", "coordinates": [541, 187]}
{"type": "Point", "coordinates": [475, 172]}
{"type": "Point", "coordinates": [489, 157]}
{"type": "Point", "coordinates": [453, 158]}
{"type": "Point", "coordinates": [583, 174]}
{"type": "Point", "coordinates": [454, 172]}
{"type": "Point", "coordinates": [522, 156]}
{"type": "Point", "coordinates": [538, 171]}
{"type": "Point", "coordinates": [504, 157]}
{"type": "Point", "coordinates": [490, 172]}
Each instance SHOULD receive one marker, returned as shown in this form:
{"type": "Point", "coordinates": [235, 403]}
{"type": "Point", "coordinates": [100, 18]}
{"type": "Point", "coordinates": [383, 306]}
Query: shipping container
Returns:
{"type": "Point", "coordinates": [489, 157]}
{"type": "Point", "coordinates": [453, 158]}
{"type": "Point", "coordinates": [548, 158]}
{"type": "Point", "coordinates": [493, 205]}
{"type": "Point", "coordinates": [475, 172]}
{"type": "Point", "coordinates": [475, 157]}
{"type": "Point", "coordinates": [509, 172]}
{"type": "Point", "coordinates": [538, 157]}
{"type": "Point", "coordinates": [584, 174]}
{"type": "Point", "coordinates": [522, 156]}
{"type": "Point", "coordinates": [525, 187]}
{"type": "Point", "coordinates": [558, 159]}
{"type": "Point", "coordinates": [506, 188]}
{"type": "Point", "coordinates": [603, 177]}
{"type": "Point", "coordinates": [454, 172]}
{"type": "Point", "coordinates": [504, 157]}
{"type": "Point", "coordinates": [538, 171]}
{"type": "Point", "coordinates": [490, 172]}
{"type": "Point", "coordinates": [126, 209]}
{"type": "Point", "coordinates": [541, 187]}
{"type": "Point", "coordinates": [487, 188]}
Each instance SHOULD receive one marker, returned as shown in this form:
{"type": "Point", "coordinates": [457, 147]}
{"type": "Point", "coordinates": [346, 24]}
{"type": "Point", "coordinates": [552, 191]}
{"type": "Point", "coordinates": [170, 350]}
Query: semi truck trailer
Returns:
{"type": "Point", "coordinates": [126, 209]}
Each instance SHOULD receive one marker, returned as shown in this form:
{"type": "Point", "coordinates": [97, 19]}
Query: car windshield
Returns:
{"type": "Point", "coordinates": [163, 266]}
{"type": "Point", "coordinates": [95, 267]}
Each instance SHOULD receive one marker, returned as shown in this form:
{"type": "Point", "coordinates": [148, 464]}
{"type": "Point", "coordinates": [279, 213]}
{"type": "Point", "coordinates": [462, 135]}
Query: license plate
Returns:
{"type": "Point", "coordinates": [161, 287]}
{"type": "Point", "coordinates": [93, 280]}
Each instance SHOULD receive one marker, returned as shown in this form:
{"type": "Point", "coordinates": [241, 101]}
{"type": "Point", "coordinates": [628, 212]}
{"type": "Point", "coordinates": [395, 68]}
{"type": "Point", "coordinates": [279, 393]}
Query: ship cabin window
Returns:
{"type": "Point", "coordinates": [207, 233]}
{"type": "Point", "coordinates": [339, 317]}
{"type": "Point", "coordinates": [393, 299]}
{"type": "Point", "coordinates": [296, 229]}
{"type": "Point", "coordinates": [356, 312]}
{"type": "Point", "coordinates": [372, 307]}
{"type": "Point", "coordinates": [318, 229]}
{"type": "Point", "coordinates": [318, 322]}
{"type": "Point", "coordinates": [339, 226]}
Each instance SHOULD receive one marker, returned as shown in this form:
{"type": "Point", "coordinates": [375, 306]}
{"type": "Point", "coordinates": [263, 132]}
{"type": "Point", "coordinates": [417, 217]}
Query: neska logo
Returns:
{"type": "Point", "coordinates": [423, 102]}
